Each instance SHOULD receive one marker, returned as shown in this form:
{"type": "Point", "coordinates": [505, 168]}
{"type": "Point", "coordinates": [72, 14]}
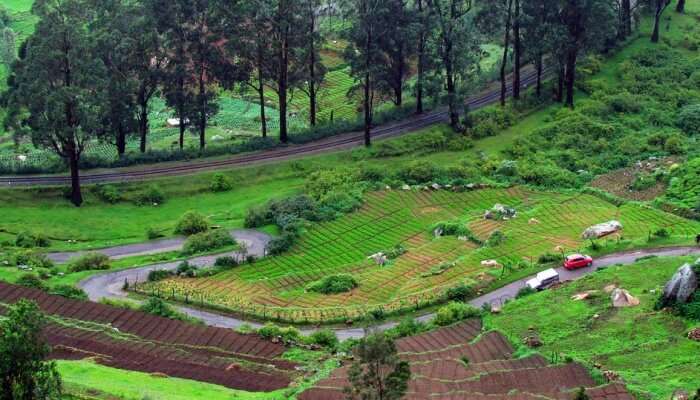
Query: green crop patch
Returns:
{"type": "Point", "coordinates": [277, 287]}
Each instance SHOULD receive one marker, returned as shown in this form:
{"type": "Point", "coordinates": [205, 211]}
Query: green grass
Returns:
{"type": "Point", "coordinates": [277, 287]}
{"type": "Point", "coordinates": [647, 348]}
{"type": "Point", "coordinates": [83, 377]}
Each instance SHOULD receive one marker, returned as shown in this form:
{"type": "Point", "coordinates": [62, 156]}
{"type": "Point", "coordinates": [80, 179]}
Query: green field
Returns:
{"type": "Point", "coordinates": [276, 287]}
{"type": "Point", "coordinates": [648, 348]}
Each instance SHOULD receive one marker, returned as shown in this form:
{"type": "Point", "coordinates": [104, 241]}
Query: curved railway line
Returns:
{"type": "Point", "coordinates": [335, 143]}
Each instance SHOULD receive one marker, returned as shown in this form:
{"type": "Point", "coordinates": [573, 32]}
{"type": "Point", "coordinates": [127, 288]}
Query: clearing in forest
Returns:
{"type": "Point", "coordinates": [276, 287]}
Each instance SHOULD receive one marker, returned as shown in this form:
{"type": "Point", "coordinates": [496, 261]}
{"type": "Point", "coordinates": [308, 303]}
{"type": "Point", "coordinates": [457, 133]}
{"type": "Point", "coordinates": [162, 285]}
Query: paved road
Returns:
{"type": "Point", "coordinates": [109, 285]}
{"type": "Point", "coordinates": [335, 143]}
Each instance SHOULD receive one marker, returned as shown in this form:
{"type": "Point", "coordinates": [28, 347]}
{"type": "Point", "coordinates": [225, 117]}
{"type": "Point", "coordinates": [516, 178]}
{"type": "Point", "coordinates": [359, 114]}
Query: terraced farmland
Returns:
{"type": "Point", "coordinates": [274, 288]}
{"type": "Point", "coordinates": [141, 342]}
{"type": "Point", "coordinates": [439, 372]}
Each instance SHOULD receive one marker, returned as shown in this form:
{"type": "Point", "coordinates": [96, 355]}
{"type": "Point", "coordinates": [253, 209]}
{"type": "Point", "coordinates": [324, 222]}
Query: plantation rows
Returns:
{"type": "Point", "coordinates": [133, 340]}
{"type": "Point", "coordinates": [452, 363]}
{"type": "Point", "coordinates": [275, 287]}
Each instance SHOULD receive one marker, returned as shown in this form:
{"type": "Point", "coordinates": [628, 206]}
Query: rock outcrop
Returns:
{"type": "Point", "coordinates": [682, 285]}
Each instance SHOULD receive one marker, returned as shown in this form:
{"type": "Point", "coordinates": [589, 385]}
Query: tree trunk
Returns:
{"type": "Point", "coordinates": [570, 76]}
{"type": "Point", "coordinates": [680, 7]}
{"type": "Point", "coordinates": [76, 196]}
{"type": "Point", "coordinates": [121, 140]}
{"type": "Point", "coordinates": [451, 87]}
{"type": "Point", "coordinates": [368, 89]}
{"type": "Point", "coordinates": [518, 52]}
{"type": "Point", "coordinates": [312, 73]}
{"type": "Point", "coordinates": [261, 94]}
{"type": "Point", "coordinates": [202, 111]}
{"type": "Point", "coordinates": [421, 62]}
{"type": "Point", "coordinates": [657, 20]}
{"type": "Point", "coordinates": [143, 122]}
{"type": "Point", "coordinates": [283, 77]}
{"type": "Point", "coordinates": [538, 67]}
{"type": "Point", "coordinates": [559, 95]}
{"type": "Point", "coordinates": [626, 28]}
{"type": "Point", "coordinates": [504, 61]}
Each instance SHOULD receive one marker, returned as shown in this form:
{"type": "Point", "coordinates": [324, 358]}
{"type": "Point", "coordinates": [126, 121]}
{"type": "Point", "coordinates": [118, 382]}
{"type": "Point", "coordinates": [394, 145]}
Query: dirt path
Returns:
{"type": "Point", "coordinates": [109, 285]}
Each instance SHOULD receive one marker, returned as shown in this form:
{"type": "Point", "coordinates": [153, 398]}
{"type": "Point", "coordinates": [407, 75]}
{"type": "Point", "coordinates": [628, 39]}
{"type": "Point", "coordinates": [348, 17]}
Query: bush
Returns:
{"type": "Point", "coordinates": [226, 262]}
{"type": "Point", "coordinates": [29, 240]}
{"type": "Point", "coordinates": [191, 223]}
{"type": "Point", "coordinates": [107, 193]}
{"type": "Point", "coordinates": [689, 119]}
{"type": "Point", "coordinates": [152, 196]}
{"type": "Point", "coordinates": [325, 338]}
{"type": "Point", "coordinates": [289, 335]}
{"type": "Point", "coordinates": [407, 327]}
{"type": "Point", "coordinates": [220, 183]}
{"type": "Point", "coordinates": [89, 262]}
{"type": "Point", "coordinates": [496, 239]}
{"type": "Point", "coordinates": [186, 270]}
{"type": "Point", "coordinates": [661, 233]}
{"type": "Point", "coordinates": [525, 291]}
{"type": "Point", "coordinates": [333, 284]}
{"type": "Point", "coordinates": [33, 260]}
{"type": "Point", "coordinates": [460, 293]}
{"type": "Point", "coordinates": [153, 233]}
{"type": "Point", "coordinates": [419, 172]}
{"type": "Point", "coordinates": [207, 241]}
{"type": "Point", "coordinates": [280, 244]}
{"type": "Point", "coordinates": [158, 307]}
{"type": "Point", "coordinates": [159, 275]}
{"type": "Point", "coordinates": [548, 258]}
{"type": "Point", "coordinates": [455, 312]}
{"type": "Point", "coordinates": [31, 281]}
{"type": "Point", "coordinates": [70, 292]}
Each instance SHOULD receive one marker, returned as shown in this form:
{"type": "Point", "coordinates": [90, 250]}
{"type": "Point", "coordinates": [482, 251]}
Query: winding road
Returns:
{"type": "Point", "coordinates": [109, 285]}
{"type": "Point", "coordinates": [334, 143]}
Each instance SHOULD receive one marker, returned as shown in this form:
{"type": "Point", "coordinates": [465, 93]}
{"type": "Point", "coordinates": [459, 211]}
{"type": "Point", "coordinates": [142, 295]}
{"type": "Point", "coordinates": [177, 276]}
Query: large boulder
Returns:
{"type": "Point", "coordinates": [682, 285]}
{"type": "Point", "coordinates": [623, 298]}
{"type": "Point", "coordinates": [602, 230]}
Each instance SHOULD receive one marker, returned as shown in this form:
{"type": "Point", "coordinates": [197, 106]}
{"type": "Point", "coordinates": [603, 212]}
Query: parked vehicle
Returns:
{"type": "Point", "coordinates": [544, 279]}
{"type": "Point", "coordinates": [576, 261]}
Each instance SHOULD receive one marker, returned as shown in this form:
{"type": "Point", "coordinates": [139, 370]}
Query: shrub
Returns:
{"type": "Point", "coordinates": [460, 293]}
{"type": "Point", "coordinates": [454, 312]}
{"type": "Point", "coordinates": [220, 183]}
{"type": "Point", "coordinates": [675, 144]}
{"type": "Point", "coordinates": [325, 338]}
{"type": "Point", "coordinates": [407, 327]}
{"type": "Point", "coordinates": [419, 172]}
{"type": "Point", "coordinates": [31, 281]}
{"type": "Point", "coordinates": [548, 258]}
{"type": "Point", "coordinates": [70, 292]}
{"type": "Point", "coordinates": [28, 240]}
{"type": "Point", "coordinates": [333, 284]}
{"type": "Point", "coordinates": [525, 291]}
{"type": "Point", "coordinates": [207, 241]}
{"type": "Point", "coordinates": [689, 119]}
{"type": "Point", "coordinates": [152, 196]}
{"type": "Point", "coordinates": [33, 260]}
{"type": "Point", "coordinates": [226, 262]}
{"type": "Point", "coordinates": [159, 275]}
{"type": "Point", "coordinates": [107, 193]}
{"type": "Point", "coordinates": [187, 270]}
{"type": "Point", "coordinates": [153, 233]}
{"type": "Point", "coordinates": [280, 244]}
{"type": "Point", "coordinates": [661, 233]}
{"type": "Point", "coordinates": [89, 262]}
{"type": "Point", "coordinates": [158, 307]}
{"type": "Point", "coordinates": [288, 335]}
{"type": "Point", "coordinates": [191, 223]}
{"type": "Point", "coordinates": [496, 239]}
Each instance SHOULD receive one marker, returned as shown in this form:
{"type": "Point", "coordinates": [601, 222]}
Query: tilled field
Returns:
{"type": "Point", "coordinates": [141, 342]}
{"type": "Point", "coordinates": [440, 370]}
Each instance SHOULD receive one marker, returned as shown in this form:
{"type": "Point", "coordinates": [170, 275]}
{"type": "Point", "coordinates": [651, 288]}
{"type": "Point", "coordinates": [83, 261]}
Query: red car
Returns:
{"type": "Point", "coordinates": [576, 261]}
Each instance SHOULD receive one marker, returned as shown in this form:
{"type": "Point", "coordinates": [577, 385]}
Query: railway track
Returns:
{"type": "Point", "coordinates": [335, 143]}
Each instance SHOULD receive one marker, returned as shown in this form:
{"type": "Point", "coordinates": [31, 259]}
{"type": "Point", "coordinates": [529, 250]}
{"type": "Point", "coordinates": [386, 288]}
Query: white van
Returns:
{"type": "Point", "coordinates": [544, 279]}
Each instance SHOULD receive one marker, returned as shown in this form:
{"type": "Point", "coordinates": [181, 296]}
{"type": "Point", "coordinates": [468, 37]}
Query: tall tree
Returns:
{"type": "Point", "coordinates": [364, 55]}
{"type": "Point", "coordinates": [680, 7]}
{"type": "Point", "coordinates": [452, 32]}
{"type": "Point", "coordinates": [377, 373]}
{"type": "Point", "coordinates": [24, 372]}
{"type": "Point", "coordinates": [539, 36]}
{"type": "Point", "coordinates": [659, 8]}
{"type": "Point", "coordinates": [60, 82]}
{"type": "Point", "coordinates": [312, 69]}
{"type": "Point", "coordinates": [517, 50]}
{"type": "Point", "coordinates": [397, 44]}
{"type": "Point", "coordinates": [588, 25]}
{"type": "Point", "coordinates": [423, 61]}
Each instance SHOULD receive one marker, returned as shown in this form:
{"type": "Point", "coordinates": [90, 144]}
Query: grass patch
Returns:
{"type": "Point", "coordinates": [647, 348]}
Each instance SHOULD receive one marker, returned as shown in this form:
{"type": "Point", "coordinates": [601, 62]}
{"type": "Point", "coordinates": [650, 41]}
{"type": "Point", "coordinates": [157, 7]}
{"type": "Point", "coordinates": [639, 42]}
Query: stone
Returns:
{"type": "Point", "coordinates": [532, 341]}
{"type": "Point", "coordinates": [682, 285]}
{"type": "Point", "coordinates": [612, 376]}
{"type": "Point", "coordinates": [379, 259]}
{"type": "Point", "coordinates": [623, 298]}
{"type": "Point", "coordinates": [581, 296]}
{"type": "Point", "coordinates": [680, 394]}
{"type": "Point", "coordinates": [490, 264]}
{"type": "Point", "coordinates": [435, 186]}
{"type": "Point", "coordinates": [533, 221]}
{"type": "Point", "coordinates": [694, 334]}
{"type": "Point", "coordinates": [610, 288]}
{"type": "Point", "coordinates": [602, 230]}
{"type": "Point", "coordinates": [438, 232]}
{"type": "Point", "coordinates": [405, 187]}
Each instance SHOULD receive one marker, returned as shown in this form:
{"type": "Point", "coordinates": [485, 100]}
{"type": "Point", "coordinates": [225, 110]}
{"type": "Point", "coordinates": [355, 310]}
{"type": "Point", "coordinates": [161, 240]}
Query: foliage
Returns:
{"type": "Point", "coordinates": [107, 193]}
{"type": "Point", "coordinates": [23, 354]}
{"type": "Point", "coordinates": [89, 262]}
{"type": "Point", "coordinates": [191, 223]}
{"type": "Point", "coordinates": [455, 312]}
{"type": "Point", "coordinates": [28, 240]}
{"type": "Point", "coordinates": [70, 292]}
{"type": "Point", "coordinates": [158, 307]}
{"type": "Point", "coordinates": [158, 275]}
{"type": "Point", "coordinates": [33, 260]}
{"type": "Point", "coordinates": [377, 372]}
{"type": "Point", "coordinates": [525, 291]}
{"type": "Point", "coordinates": [288, 335]}
{"type": "Point", "coordinates": [496, 239]}
{"type": "Point", "coordinates": [226, 262]}
{"type": "Point", "coordinates": [324, 338]}
{"type": "Point", "coordinates": [220, 183]}
{"type": "Point", "coordinates": [153, 195]}
{"type": "Point", "coordinates": [684, 187]}
{"type": "Point", "coordinates": [689, 119]}
{"type": "Point", "coordinates": [460, 293]}
{"type": "Point", "coordinates": [31, 281]}
{"type": "Point", "coordinates": [207, 241]}
{"type": "Point", "coordinates": [333, 284]}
